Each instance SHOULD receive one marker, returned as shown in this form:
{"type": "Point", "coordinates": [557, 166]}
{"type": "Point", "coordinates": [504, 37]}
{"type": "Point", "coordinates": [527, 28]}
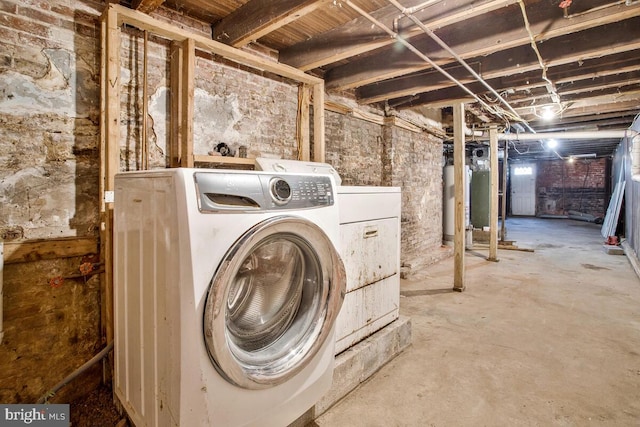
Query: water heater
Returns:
{"type": "Point", "coordinates": [448, 226]}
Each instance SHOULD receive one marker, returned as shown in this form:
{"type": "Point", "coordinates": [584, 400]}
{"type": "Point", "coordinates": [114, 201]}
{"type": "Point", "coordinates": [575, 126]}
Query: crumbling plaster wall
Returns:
{"type": "Point", "coordinates": [50, 162]}
{"type": "Point", "coordinates": [49, 156]}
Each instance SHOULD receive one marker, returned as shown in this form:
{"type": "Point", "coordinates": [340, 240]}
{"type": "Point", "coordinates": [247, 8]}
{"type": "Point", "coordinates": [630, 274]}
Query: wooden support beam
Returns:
{"type": "Point", "coordinates": [110, 163]}
{"type": "Point", "coordinates": [505, 169]}
{"type": "Point", "coordinates": [36, 250]}
{"type": "Point", "coordinates": [459, 198]}
{"type": "Point", "coordinates": [304, 134]}
{"type": "Point", "coordinates": [146, 6]}
{"type": "Point", "coordinates": [257, 18]}
{"type": "Point", "coordinates": [493, 203]}
{"type": "Point", "coordinates": [187, 98]}
{"type": "Point", "coordinates": [175, 121]}
{"type": "Point", "coordinates": [318, 123]}
{"type": "Point", "coordinates": [112, 104]}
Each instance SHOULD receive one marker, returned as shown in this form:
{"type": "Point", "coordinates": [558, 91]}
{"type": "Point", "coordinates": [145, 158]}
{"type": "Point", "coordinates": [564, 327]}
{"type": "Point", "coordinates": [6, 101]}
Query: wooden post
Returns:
{"type": "Point", "coordinates": [318, 122]}
{"type": "Point", "coordinates": [110, 139]}
{"type": "Point", "coordinates": [493, 204]}
{"type": "Point", "coordinates": [304, 138]}
{"type": "Point", "coordinates": [459, 197]}
{"type": "Point", "coordinates": [145, 103]}
{"type": "Point", "coordinates": [175, 82]}
{"type": "Point", "coordinates": [188, 83]}
{"type": "Point", "coordinates": [503, 231]}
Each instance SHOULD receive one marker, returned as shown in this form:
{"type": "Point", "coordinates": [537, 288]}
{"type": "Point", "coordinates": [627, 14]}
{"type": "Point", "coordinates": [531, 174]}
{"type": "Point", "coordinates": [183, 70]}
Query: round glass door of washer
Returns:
{"type": "Point", "coordinates": [272, 302]}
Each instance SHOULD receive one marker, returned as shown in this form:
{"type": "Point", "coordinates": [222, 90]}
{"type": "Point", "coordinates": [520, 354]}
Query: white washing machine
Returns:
{"type": "Point", "coordinates": [227, 289]}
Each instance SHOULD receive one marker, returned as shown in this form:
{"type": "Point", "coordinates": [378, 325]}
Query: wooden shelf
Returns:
{"type": "Point", "coordinates": [36, 250]}
{"type": "Point", "coordinates": [198, 158]}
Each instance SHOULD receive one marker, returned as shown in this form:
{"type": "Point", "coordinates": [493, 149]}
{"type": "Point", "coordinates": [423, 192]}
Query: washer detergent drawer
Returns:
{"type": "Point", "coordinates": [367, 310]}
{"type": "Point", "coordinates": [369, 251]}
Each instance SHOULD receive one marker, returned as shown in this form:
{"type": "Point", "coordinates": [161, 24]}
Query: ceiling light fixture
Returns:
{"type": "Point", "coordinates": [552, 143]}
{"type": "Point", "coordinates": [548, 111]}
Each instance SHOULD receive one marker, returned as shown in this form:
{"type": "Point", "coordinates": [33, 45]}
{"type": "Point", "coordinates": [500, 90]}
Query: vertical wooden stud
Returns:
{"type": "Point", "coordinates": [493, 203]}
{"type": "Point", "coordinates": [318, 123]}
{"type": "Point", "coordinates": [145, 102]}
{"type": "Point", "coordinates": [304, 138]}
{"type": "Point", "coordinates": [459, 198]}
{"type": "Point", "coordinates": [503, 231]}
{"type": "Point", "coordinates": [175, 81]}
{"type": "Point", "coordinates": [188, 84]}
{"type": "Point", "coordinates": [110, 138]}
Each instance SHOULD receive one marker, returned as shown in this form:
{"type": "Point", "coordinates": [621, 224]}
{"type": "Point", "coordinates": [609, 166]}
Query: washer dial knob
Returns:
{"type": "Point", "coordinates": [280, 191]}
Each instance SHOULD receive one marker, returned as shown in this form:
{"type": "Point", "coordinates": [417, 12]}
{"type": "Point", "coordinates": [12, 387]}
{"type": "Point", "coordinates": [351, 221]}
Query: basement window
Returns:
{"type": "Point", "coordinates": [523, 170]}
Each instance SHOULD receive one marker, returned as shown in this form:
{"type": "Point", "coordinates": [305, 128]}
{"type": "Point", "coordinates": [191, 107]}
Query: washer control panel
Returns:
{"type": "Point", "coordinates": [246, 191]}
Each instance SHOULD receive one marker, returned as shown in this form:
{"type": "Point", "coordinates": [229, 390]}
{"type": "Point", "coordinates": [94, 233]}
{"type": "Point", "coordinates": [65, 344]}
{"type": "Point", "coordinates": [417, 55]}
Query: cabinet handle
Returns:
{"type": "Point", "coordinates": [371, 231]}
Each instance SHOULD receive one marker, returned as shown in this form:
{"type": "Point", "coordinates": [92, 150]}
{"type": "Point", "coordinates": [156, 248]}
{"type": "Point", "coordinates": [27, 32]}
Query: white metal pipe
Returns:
{"type": "Point", "coordinates": [421, 6]}
{"type": "Point", "coordinates": [470, 132]}
{"type": "Point", "coordinates": [601, 134]}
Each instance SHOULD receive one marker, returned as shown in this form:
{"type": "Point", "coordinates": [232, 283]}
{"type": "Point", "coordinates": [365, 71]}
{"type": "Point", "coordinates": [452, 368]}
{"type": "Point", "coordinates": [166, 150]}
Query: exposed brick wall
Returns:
{"type": "Point", "coordinates": [577, 186]}
{"type": "Point", "coordinates": [413, 161]}
{"type": "Point", "coordinates": [354, 148]}
{"type": "Point", "coordinates": [366, 153]}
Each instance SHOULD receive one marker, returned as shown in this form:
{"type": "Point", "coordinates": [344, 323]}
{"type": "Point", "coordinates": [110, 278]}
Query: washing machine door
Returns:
{"type": "Point", "coordinates": [273, 302]}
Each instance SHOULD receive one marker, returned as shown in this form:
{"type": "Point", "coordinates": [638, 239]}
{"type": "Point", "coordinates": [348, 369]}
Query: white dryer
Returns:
{"type": "Point", "coordinates": [227, 288]}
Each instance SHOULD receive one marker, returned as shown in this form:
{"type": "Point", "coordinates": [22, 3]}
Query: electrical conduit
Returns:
{"type": "Point", "coordinates": [82, 369]}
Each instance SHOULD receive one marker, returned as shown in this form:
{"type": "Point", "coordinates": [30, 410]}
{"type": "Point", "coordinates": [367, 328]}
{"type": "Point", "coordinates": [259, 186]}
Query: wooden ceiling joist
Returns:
{"type": "Point", "coordinates": [513, 62]}
{"type": "Point", "coordinates": [469, 40]}
{"type": "Point", "coordinates": [533, 93]}
{"type": "Point", "coordinates": [146, 6]}
{"type": "Point", "coordinates": [256, 18]}
{"type": "Point", "coordinates": [359, 36]}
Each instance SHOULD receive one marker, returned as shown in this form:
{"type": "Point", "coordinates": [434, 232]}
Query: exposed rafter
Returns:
{"type": "Point", "coordinates": [259, 17]}
{"type": "Point", "coordinates": [146, 6]}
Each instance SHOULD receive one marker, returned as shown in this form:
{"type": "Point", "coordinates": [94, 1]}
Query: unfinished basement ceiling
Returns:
{"type": "Point", "coordinates": [578, 58]}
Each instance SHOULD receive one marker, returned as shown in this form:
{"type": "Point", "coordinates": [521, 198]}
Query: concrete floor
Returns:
{"type": "Point", "coordinates": [544, 338]}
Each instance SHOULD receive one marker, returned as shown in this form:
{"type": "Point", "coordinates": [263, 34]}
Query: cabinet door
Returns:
{"type": "Point", "coordinates": [369, 250]}
{"type": "Point", "coordinates": [367, 310]}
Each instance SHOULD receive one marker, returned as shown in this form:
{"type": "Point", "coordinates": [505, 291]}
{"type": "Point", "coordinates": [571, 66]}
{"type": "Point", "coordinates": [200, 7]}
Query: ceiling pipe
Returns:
{"type": "Point", "coordinates": [408, 12]}
{"type": "Point", "coordinates": [422, 56]}
{"type": "Point", "coordinates": [421, 5]}
{"type": "Point", "coordinates": [601, 134]}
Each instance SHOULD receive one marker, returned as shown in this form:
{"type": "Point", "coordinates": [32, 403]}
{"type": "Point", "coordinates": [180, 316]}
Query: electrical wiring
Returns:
{"type": "Point", "coordinates": [409, 14]}
{"type": "Point", "coordinates": [551, 87]}
{"type": "Point", "coordinates": [513, 145]}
